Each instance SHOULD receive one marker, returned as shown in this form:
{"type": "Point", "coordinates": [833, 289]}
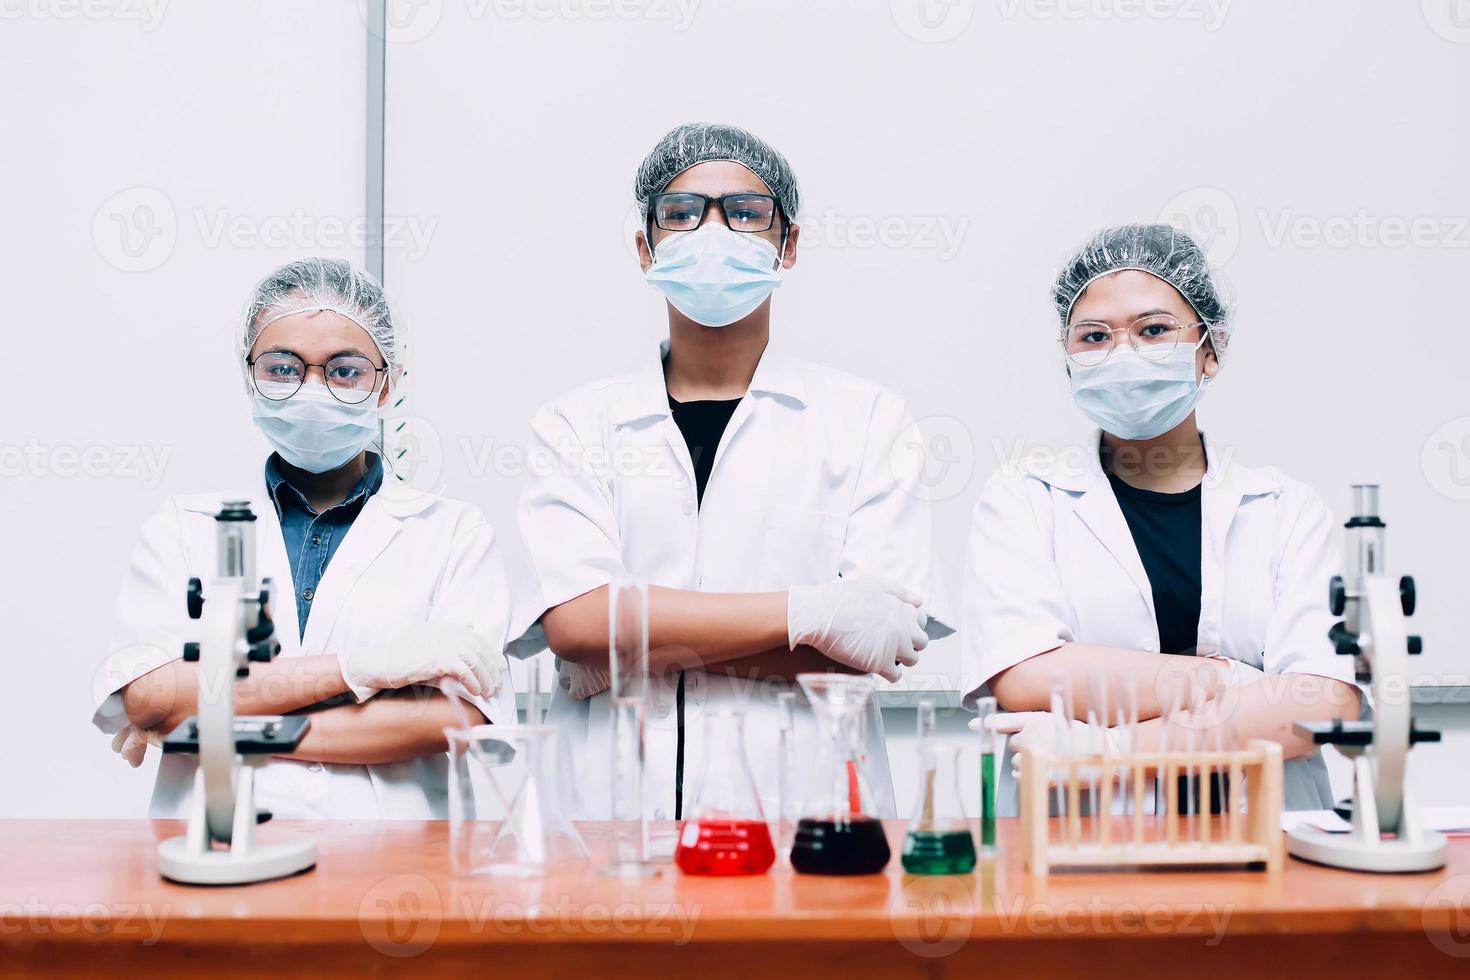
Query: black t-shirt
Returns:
{"type": "Point", "coordinates": [702, 424]}
{"type": "Point", "coordinates": [1166, 531]}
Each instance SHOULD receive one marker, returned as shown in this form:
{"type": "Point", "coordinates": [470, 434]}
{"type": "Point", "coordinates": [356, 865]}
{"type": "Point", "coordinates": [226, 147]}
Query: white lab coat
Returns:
{"type": "Point", "coordinates": [407, 558]}
{"type": "Point", "coordinates": [1051, 560]}
{"type": "Point", "coordinates": [805, 488]}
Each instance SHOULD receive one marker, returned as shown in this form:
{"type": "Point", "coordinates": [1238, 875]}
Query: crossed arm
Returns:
{"type": "Point", "coordinates": [1267, 706]}
{"type": "Point", "coordinates": [391, 727]}
{"type": "Point", "coordinates": [741, 634]}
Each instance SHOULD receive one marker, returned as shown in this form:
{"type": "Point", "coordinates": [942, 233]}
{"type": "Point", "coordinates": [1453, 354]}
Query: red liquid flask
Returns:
{"type": "Point", "coordinates": [725, 847]}
{"type": "Point", "coordinates": [726, 833]}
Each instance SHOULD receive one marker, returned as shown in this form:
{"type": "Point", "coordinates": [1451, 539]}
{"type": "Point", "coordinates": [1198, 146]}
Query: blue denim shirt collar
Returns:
{"type": "Point", "coordinates": [276, 479]}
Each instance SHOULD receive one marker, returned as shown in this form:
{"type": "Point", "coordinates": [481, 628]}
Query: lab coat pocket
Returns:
{"type": "Point", "coordinates": [375, 611]}
{"type": "Point", "coordinates": [800, 547]}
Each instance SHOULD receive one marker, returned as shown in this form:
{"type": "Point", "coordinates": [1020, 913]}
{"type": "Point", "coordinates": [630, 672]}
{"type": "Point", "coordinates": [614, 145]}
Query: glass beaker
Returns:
{"type": "Point", "coordinates": [836, 835]}
{"type": "Point", "coordinates": [727, 833]}
{"type": "Point", "coordinates": [504, 815]}
{"type": "Point", "coordinates": [939, 841]}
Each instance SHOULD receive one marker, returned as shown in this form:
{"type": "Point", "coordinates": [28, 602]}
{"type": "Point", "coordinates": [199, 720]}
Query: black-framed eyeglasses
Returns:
{"type": "Point", "coordinates": [685, 211]}
{"type": "Point", "coordinates": [351, 378]}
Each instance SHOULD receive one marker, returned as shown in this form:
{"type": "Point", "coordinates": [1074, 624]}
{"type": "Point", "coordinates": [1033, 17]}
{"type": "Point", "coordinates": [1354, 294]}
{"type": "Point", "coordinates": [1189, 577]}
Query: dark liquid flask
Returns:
{"type": "Point", "coordinates": [836, 836]}
{"type": "Point", "coordinates": [727, 833]}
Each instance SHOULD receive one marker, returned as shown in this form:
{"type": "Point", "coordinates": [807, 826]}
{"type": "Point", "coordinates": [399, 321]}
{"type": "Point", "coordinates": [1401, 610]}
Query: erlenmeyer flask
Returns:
{"type": "Point", "coordinates": [727, 833]}
{"type": "Point", "coordinates": [939, 841]}
{"type": "Point", "coordinates": [504, 815]}
{"type": "Point", "coordinates": [836, 835]}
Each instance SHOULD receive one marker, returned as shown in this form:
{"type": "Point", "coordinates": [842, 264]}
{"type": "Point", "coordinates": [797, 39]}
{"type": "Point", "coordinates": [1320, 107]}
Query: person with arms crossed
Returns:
{"type": "Point", "coordinates": [378, 594]}
{"type": "Point", "coordinates": [764, 505]}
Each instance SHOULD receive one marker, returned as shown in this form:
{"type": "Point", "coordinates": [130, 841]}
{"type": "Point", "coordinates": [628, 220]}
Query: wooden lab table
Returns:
{"type": "Point", "coordinates": [84, 897]}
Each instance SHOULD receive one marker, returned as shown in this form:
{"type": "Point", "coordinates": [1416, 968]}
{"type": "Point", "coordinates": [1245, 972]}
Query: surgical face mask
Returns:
{"type": "Point", "coordinates": [312, 430]}
{"type": "Point", "coordinates": [713, 275]}
{"type": "Point", "coordinates": [1137, 399]}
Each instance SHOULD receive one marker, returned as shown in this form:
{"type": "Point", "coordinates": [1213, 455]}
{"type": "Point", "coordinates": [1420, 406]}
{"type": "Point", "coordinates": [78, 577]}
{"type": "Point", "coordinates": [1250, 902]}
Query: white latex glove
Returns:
{"type": "Point", "coordinates": [587, 682]}
{"type": "Point", "coordinates": [422, 654]}
{"type": "Point", "coordinates": [868, 624]}
{"type": "Point", "coordinates": [132, 744]}
{"type": "Point", "coordinates": [1236, 673]}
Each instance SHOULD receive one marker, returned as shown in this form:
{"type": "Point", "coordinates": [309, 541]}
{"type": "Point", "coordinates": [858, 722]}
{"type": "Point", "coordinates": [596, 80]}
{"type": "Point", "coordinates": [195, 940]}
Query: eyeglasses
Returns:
{"type": "Point", "coordinates": [685, 211]}
{"type": "Point", "coordinates": [1154, 337]}
{"type": "Point", "coordinates": [279, 374]}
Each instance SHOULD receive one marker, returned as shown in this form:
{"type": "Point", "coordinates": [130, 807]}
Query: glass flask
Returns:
{"type": "Point", "coordinates": [836, 835]}
{"type": "Point", "coordinates": [505, 818]}
{"type": "Point", "coordinates": [727, 833]}
{"type": "Point", "coordinates": [939, 841]}
{"type": "Point", "coordinates": [628, 669]}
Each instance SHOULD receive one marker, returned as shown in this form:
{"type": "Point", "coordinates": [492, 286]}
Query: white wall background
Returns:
{"type": "Point", "coordinates": [157, 162]}
{"type": "Point", "coordinates": [947, 167]}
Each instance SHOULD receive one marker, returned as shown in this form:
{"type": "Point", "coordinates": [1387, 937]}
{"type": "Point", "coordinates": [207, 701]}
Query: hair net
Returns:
{"type": "Point", "coordinates": [684, 146]}
{"type": "Point", "coordinates": [1160, 250]}
{"type": "Point", "coordinates": [322, 284]}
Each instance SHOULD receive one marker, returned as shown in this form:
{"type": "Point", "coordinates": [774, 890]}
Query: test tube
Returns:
{"type": "Point", "coordinates": [1097, 725]}
{"type": "Point", "coordinates": [628, 667]}
{"type": "Point", "coordinates": [991, 754]}
{"type": "Point", "coordinates": [1067, 791]}
{"type": "Point", "coordinates": [927, 726]}
{"type": "Point", "coordinates": [533, 694]}
{"type": "Point", "coordinates": [785, 764]}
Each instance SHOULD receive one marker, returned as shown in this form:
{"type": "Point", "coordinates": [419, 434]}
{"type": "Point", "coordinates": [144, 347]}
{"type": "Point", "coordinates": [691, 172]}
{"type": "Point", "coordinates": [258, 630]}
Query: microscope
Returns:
{"type": "Point", "coordinates": [233, 611]}
{"type": "Point", "coordinates": [1386, 834]}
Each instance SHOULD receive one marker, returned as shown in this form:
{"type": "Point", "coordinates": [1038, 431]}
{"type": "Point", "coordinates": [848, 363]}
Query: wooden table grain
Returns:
{"type": "Point", "coordinates": [84, 897]}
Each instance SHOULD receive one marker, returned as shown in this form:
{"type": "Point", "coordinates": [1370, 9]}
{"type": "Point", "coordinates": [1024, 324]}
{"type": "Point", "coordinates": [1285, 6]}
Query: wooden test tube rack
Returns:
{"type": "Point", "coordinates": [1249, 838]}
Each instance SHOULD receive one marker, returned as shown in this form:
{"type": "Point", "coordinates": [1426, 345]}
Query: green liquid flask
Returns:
{"type": "Point", "coordinates": [939, 841]}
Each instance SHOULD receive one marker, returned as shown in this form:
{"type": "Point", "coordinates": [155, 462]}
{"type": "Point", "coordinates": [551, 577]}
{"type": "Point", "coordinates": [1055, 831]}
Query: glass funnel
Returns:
{"type": "Point", "coordinates": [504, 815]}
{"type": "Point", "coordinates": [727, 833]}
{"type": "Point", "coordinates": [836, 835]}
{"type": "Point", "coordinates": [939, 841]}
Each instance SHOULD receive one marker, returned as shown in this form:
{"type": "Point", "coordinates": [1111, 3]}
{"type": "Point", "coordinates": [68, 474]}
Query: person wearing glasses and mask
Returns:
{"type": "Point", "coordinates": [1148, 554]}
{"type": "Point", "coordinates": [379, 593]}
{"type": "Point", "coordinates": [758, 495]}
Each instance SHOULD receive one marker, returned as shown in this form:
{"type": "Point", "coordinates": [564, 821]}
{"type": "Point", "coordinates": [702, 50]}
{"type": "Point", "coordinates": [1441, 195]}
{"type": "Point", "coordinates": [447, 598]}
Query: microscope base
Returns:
{"type": "Point", "coordinates": [1384, 856]}
{"type": "Point", "coordinates": [178, 862]}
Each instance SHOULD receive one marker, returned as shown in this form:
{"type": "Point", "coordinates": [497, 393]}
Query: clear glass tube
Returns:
{"type": "Point", "coordinates": [628, 669]}
{"type": "Point", "coordinates": [785, 822]}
